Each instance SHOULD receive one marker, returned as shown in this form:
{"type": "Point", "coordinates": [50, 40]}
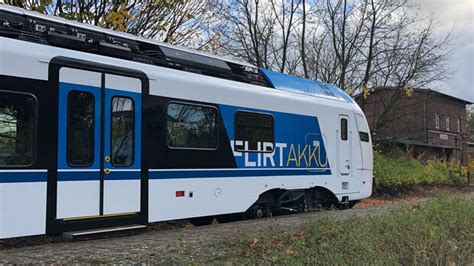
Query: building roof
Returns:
{"type": "Point", "coordinates": [420, 90]}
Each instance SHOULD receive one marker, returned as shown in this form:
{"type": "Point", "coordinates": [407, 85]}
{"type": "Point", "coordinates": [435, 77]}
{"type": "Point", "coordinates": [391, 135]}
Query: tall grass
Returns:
{"type": "Point", "coordinates": [439, 231]}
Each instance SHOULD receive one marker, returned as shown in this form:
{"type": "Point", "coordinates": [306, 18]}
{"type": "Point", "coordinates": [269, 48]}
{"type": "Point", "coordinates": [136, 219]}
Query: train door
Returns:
{"type": "Point", "coordinates": [99, 162]}
{"type": "Point", "coordinates": [122, 142]}
{"type": "Point", "coordinates": [344, 146]}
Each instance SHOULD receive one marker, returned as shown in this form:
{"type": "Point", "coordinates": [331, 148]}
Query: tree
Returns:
{"type": "Point", "coordinates": [470, 124]}
{"type": "Point", "coordinates": [360, 45]}
{"type": "Point", "coordinates": [413, 60]}
{"type": "Point", "coordinates": [266, 32]}
{"type": "Point", "coordinates": [345, 24]}
{"type": "Point", "coordinates": [303, 41]}
{"type": "Point", "coordinates": [181, 22]}
{"type": "Point", "coordinates": [285, 16]}
{"type": "Point", "coordinates": [367, 45]}
{"type": "Point", "coordinates": [249, 31]}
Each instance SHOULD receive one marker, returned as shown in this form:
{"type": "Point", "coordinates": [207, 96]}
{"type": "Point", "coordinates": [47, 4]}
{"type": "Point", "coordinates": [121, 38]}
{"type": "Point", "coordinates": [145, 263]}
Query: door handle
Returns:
{"type": "Point", "coordinates": [107, 171]}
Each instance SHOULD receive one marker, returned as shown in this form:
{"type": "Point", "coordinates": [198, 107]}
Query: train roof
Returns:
{"type": "Point", "coordinates": [34, 14]}
{"type": "Point", "coordinates": [56, 31]}
{"type": "Point", "coordinates": [281, 81]}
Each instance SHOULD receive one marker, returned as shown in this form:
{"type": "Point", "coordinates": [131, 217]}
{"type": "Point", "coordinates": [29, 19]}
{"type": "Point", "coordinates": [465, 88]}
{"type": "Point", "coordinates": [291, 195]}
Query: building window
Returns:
{"type": "Point", "coordinates": [448, 123]}
{"type": "Point", "coordinates": [122, 138]}
{"type": "Point", "coordinates": [437, 121]}
{"type": "Point", "coordinates": [254, 132]}
{"type": "Point", "coordinates": [192, 126]}
{"type": "Point", "coordinates": [80, 128]}
{"type": "Point", "coordinates": [459, 124]}
{"type": "Point", "coordinates": [17, 129]}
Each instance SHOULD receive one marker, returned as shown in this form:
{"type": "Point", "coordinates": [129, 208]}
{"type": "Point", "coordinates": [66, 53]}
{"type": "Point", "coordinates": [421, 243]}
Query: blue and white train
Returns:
{"type": "Point", "coordinates": [103, 129]}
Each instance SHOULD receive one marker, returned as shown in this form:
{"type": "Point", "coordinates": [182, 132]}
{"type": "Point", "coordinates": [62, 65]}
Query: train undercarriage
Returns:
{"type": "Point", "coordinates": [279, 202]}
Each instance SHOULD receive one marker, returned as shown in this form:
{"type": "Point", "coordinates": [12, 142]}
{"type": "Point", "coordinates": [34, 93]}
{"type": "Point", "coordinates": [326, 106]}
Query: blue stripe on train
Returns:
{"type": "Point", "coordinates": [85, 176]}
{"type": "Point", "coordinates": [126, 175]}
{"type": "Point", "coordinates": [78, 176]}
{"type": "Point", "coordinates": [23, 177]}
{"type": "Point", "coordinates": [234, 173]}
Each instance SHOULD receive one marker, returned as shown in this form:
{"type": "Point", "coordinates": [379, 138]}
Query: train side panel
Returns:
{"type": "Point", "coordinates": [185, 184]}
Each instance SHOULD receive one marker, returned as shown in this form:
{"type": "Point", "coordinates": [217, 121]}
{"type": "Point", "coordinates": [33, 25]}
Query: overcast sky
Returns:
{"type": "Point", "coordinates": [458, 17]}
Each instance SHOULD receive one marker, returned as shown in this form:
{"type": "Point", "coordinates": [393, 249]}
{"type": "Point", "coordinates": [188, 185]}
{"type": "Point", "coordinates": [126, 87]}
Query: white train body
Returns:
{"type": "Point", "coordinates": [320, 140]}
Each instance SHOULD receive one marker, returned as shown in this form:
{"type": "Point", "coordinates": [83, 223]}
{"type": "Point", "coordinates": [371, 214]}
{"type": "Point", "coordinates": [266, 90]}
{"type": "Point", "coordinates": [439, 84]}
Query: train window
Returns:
{"type": "Point", "coordinates": [192, 126]}
{"type": "Point", "coordinates": [17, 129]}
{"type": "Point", "coordinates": [80, 128]}
{"type": "Point", "coordinates": [252, 131]}
{"type": "Point", "coordinates": [363, 128]}
{"type": "Point", "coordinates": [364, 136]}
{"type": "Point", "coordinates": [344, 129]}
{"type": "Point", "coordinates": [122, 129]}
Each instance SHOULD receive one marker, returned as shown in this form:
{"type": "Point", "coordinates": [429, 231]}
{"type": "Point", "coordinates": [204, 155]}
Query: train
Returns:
{"type": "Point", "coordinates": [102, 129]}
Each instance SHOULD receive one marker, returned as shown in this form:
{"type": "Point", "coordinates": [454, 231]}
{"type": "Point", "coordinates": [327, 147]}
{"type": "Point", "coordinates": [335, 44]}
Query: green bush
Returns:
{"type": "Point", "coordinates": [437, 232]}
{"type": "Point", "coordinates": [390, 171]}
{"type": "Point", "coordinates": [394, 171]}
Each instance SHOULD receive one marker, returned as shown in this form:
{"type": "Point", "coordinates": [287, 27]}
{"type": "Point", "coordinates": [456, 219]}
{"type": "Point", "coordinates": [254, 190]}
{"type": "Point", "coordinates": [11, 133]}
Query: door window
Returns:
{"type": "Point", "coordinates": [123, 125]}
{"type": "Point", "coordinates": [80, 128]}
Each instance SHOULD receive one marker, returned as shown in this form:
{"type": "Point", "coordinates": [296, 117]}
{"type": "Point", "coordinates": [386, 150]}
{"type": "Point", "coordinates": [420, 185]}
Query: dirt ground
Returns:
{"type": "Point", "coordinates": [183, 244]}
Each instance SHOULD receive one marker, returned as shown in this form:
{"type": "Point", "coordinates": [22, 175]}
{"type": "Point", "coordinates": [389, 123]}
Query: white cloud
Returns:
{"type": "Point", "coordinates": [457, 17]}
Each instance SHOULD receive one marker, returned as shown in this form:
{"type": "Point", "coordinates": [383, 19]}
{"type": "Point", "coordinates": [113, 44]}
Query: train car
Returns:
{"type": "Point", "coordinates": [102, 129]}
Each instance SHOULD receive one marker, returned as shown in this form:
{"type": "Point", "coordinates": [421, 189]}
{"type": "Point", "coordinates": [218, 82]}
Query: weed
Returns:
{"type": "Point", "coordinates": [439, 231]}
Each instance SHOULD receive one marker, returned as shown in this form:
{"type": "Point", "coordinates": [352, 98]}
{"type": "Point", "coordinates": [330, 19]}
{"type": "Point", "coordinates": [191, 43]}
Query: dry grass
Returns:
{"type": "Point", "coordinates": [439, 231]}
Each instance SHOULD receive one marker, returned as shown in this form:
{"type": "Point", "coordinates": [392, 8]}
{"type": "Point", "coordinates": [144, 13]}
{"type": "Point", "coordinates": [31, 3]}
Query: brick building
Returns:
{"type": "Point", "coordinates": [470, 150]}
{"type": "Point", "coordinates": [432, 125]}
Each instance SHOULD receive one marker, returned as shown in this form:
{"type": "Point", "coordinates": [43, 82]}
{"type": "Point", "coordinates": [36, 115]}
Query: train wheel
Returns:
{"type": "Point", "coordinates": [352, 204]}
